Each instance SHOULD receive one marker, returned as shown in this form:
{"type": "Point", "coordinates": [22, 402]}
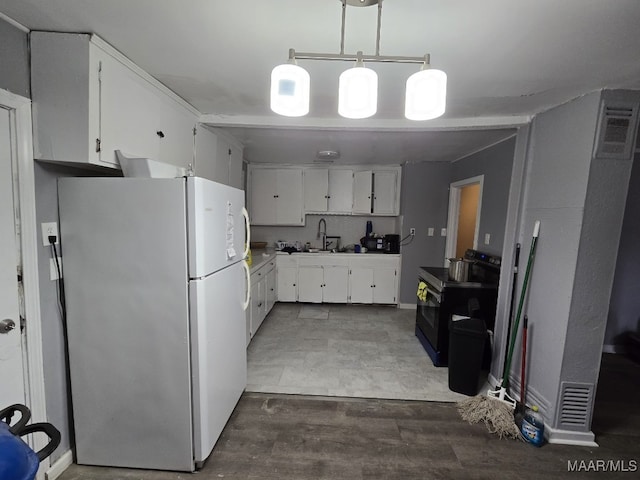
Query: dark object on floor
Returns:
{"type": "Point", "coordinates": [17, 460]}
{"type": "Point", "coordinates": [467, 339]}
{"type": "Point", "coordinates": [632, 345]}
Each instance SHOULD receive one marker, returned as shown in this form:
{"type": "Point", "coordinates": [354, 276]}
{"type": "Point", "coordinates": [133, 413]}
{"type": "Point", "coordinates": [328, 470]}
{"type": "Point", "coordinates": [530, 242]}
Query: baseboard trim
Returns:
{"type": "Point", "coordinates": [407, 306]}
{"type": "Point", "coordinates": [567, 437]}
{"type": "Point", "coordinates": [58, 468]}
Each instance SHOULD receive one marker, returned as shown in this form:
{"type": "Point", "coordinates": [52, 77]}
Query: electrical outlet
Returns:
{"type": "Point", "coordinates": [50, 228]}
{"type": "Point", "coordinates": [412, 231]}
{"type": "Point", "coordinates": [430, 231]}
{"type": "Point", "coordinates": [443, 232]}
{"type": "Point", "coordinates": [53, 271]}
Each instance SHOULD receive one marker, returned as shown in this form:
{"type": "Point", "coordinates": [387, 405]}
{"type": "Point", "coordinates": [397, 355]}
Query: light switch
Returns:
{"type": "Point", "coordinates": [443, 232]}
{"type": "Point", "coordinates": [430, 232]}
{"type": "Point", "coordinates": [487, 238]}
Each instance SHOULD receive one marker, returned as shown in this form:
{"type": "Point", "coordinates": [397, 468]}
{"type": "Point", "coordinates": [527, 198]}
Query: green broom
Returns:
{"type": "Point", "coordinates": [496, 408]}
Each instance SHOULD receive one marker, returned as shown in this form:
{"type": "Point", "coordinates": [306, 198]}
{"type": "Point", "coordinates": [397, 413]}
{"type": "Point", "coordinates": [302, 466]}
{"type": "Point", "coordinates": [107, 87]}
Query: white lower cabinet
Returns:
{"type": "Point", "coordinates": [343, 278]}
{"type": "Point", "coordinates": [287, 278]}
{"type": "Point", "coordinates": [323, 283]}
{"type": "Point", "coordinates": [374, 282]}
{"type": "Point", "coordinates": [263, 295]}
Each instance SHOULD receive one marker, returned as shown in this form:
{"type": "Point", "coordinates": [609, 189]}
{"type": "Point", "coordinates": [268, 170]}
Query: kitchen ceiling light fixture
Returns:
{"type": "Point", "coordinates": [426, 90]}
{"type": "Point", "coordinates": [327, 155]}
{"type": "Point", "coordinates": [290, 85]}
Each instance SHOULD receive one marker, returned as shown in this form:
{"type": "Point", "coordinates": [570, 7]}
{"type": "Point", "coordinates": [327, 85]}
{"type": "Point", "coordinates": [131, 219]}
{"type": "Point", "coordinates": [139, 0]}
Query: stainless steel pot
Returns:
{"type": "Point", "coordinates": [459, 269]}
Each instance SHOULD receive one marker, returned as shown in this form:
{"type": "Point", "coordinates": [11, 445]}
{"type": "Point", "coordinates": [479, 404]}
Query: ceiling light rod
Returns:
{"type": "Point", "coordinates": [293, 55]}
{"type": "Point", "coordinates": [425, 60]}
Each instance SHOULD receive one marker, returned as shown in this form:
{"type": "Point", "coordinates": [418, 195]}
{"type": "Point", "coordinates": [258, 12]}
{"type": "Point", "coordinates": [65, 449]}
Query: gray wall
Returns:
{"type": "Point", "coordinates": [556, 184]}
{"type": "Point", "coordinates": [579, 202]}
{"type": "Point", "coordinates": [495, 163]}
{"type": "Point", "coordinates": [624, 309]}
{"type": "Point", "coordinates": [14, 58]}
{"type": "Point", "coordinates": [423, 204]}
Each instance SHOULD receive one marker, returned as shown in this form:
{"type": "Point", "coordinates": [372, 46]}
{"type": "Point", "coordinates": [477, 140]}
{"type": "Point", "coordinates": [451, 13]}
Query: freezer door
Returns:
{"type": "Point", "coordinates": [219, 354]}
{"type": "Point", "coordinates": [216, 226]}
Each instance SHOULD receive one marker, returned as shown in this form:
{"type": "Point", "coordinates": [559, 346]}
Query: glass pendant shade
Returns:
{"type": "Point", "coordinates": [426, 95]}
{"type": "Point", "coordinates": [290, 90]}
{"type": "Point", "coordinates": [358, 93]}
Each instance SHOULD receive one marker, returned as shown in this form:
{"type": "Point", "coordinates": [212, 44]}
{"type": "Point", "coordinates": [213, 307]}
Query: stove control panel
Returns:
{"type": "Point", "coordinates": [484, 258]}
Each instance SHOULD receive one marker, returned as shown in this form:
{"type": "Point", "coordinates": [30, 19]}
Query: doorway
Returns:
{"type": "Point", "coordinates": [21, 364]}
{"type": "Point", "coordinates": [465, 205]}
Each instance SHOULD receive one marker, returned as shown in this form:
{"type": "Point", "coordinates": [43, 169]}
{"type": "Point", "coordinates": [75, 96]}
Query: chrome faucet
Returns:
{"type": "Point", "coordinates": [322, 233]}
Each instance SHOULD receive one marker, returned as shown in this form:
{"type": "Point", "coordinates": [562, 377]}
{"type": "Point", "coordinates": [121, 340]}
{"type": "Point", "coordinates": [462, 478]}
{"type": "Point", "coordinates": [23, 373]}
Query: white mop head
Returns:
{"type": "Point", "coordinates": [496, 415]}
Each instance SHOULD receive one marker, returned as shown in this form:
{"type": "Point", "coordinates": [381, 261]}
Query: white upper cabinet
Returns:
{"type": "Point", "coordinates": [89, 100]}
{"type": "Point", "coordinates": [385, 192]}
{"type": "Point", "coordinates": [340, 190]}
{"type": "Point", "coordinates": [377, 191]}
{"type": "Point", "coordinates": [316, 190]}
{"type": "Point", "coordinates": [218, 157]}
{"type": "Point", "coordinates": [362, 191]}
{"type": "Point", "coordinates": [276, 196]}
{"type": "Point", "coordinates": [328, 190]}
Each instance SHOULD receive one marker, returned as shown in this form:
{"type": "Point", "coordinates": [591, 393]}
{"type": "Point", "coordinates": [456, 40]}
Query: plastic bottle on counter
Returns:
{"type": "Point", "coordinates": [532, 428]}
{"type": "Point", "coordinates": [369, 228]}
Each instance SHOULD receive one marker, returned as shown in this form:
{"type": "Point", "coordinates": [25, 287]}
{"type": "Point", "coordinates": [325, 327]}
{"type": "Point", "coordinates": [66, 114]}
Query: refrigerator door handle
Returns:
{"type": "Point", "coordinates": [245, 213]}
{"type": "Point", "coordinates": [247, 271]}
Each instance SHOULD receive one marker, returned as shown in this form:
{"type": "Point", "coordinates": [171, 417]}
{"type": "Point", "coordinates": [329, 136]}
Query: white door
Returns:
{"type": "Point", "coordinates": [219, 355]}
{"type": "Point", "coordinates": [290, 199]}
{"type": "Point", "coordinates": [11, 364]}
{"type": "Point", "coordinates": [316, 187]}
{"type": "Point", "coordinates": [340, 191]}
{"type": "Point", "coordinates": [384, 188]}
{"type": "Point", "coordinates": [336, 284]}
{"type": "Point", "coordinates": [385, 287]}
{"type": "Point", "coordinates": [361, 285]}
{"type": "Point", "coordinates": [310, 281]}
{"type": "Point", "coordinates": [362, 186]}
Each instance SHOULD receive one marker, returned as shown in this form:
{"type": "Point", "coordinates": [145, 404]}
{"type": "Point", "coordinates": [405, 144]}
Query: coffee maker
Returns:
{"type": "Point", "coordinates": [392, 243]}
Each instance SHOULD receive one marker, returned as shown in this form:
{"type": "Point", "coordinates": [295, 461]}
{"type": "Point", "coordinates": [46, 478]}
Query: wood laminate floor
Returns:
{"type": "Point", "coordinates": [279, 436]}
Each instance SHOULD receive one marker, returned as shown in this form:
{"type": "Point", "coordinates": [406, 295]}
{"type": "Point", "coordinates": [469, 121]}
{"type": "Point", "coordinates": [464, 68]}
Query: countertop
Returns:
{"type": "Point", "coordinates": [342, 254]}
{"type": "Point", "coordinates": [261, 257]}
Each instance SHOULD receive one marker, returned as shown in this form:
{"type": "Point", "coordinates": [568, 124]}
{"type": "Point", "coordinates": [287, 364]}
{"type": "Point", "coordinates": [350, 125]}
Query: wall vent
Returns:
{"type": "Point", "coordinates": [576, 401]}
{"type": "Point", "coordinates": [616, 131]}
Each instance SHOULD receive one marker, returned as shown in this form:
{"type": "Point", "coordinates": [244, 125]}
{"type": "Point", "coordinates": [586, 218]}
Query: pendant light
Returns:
{"type": "Point", "coordinates": [426, 93]}
{"type": "Point", "coordinates": [290, 86]}
{"type": "Point", "coordinates": [358, 91]}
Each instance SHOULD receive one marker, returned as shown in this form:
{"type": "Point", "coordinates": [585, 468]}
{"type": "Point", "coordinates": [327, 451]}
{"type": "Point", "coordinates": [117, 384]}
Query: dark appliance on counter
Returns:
{"type": "Point", "coordinates": [439, 297]}
{"type": "Point", "coordinates": [393, 243]}
{"type": "Point", "coordinates": [389, 243]}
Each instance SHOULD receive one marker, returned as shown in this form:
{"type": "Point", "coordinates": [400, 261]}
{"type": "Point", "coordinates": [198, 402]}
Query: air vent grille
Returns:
{"type": "Point", "coordinates": [575, 406]}
{"type": "Point", "coordinates": [616, 132]}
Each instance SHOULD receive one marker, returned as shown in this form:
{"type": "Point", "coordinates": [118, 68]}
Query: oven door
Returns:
{"type": "Point", "coordinates": [428, 304]}
{"type": "Point", "coordinates": [430, 328]}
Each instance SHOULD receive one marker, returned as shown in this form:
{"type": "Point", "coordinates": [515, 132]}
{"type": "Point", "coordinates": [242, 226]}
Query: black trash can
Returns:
{"type": "Point", "coordinates": [467, 339]}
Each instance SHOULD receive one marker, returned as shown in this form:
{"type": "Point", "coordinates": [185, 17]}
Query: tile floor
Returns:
{"type": "Point", "coordinates": [346, 351]}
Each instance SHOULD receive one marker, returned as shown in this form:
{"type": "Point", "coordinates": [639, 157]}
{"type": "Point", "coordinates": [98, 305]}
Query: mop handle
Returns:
{"type": "Point", "coordinates": [523, 370]}
{"type": "Point", "coordinates": [516, 264]}
{"type": "Point", "coordinates": [514, 333]}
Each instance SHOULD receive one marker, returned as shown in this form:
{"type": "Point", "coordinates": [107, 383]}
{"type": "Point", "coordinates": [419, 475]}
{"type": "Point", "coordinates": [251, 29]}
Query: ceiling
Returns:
{"type": "Point", "coordinates": [506, 60]}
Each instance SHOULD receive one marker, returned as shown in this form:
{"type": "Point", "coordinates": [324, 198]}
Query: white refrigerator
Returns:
{"type": "Point", "coordinates": [156, 286]}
